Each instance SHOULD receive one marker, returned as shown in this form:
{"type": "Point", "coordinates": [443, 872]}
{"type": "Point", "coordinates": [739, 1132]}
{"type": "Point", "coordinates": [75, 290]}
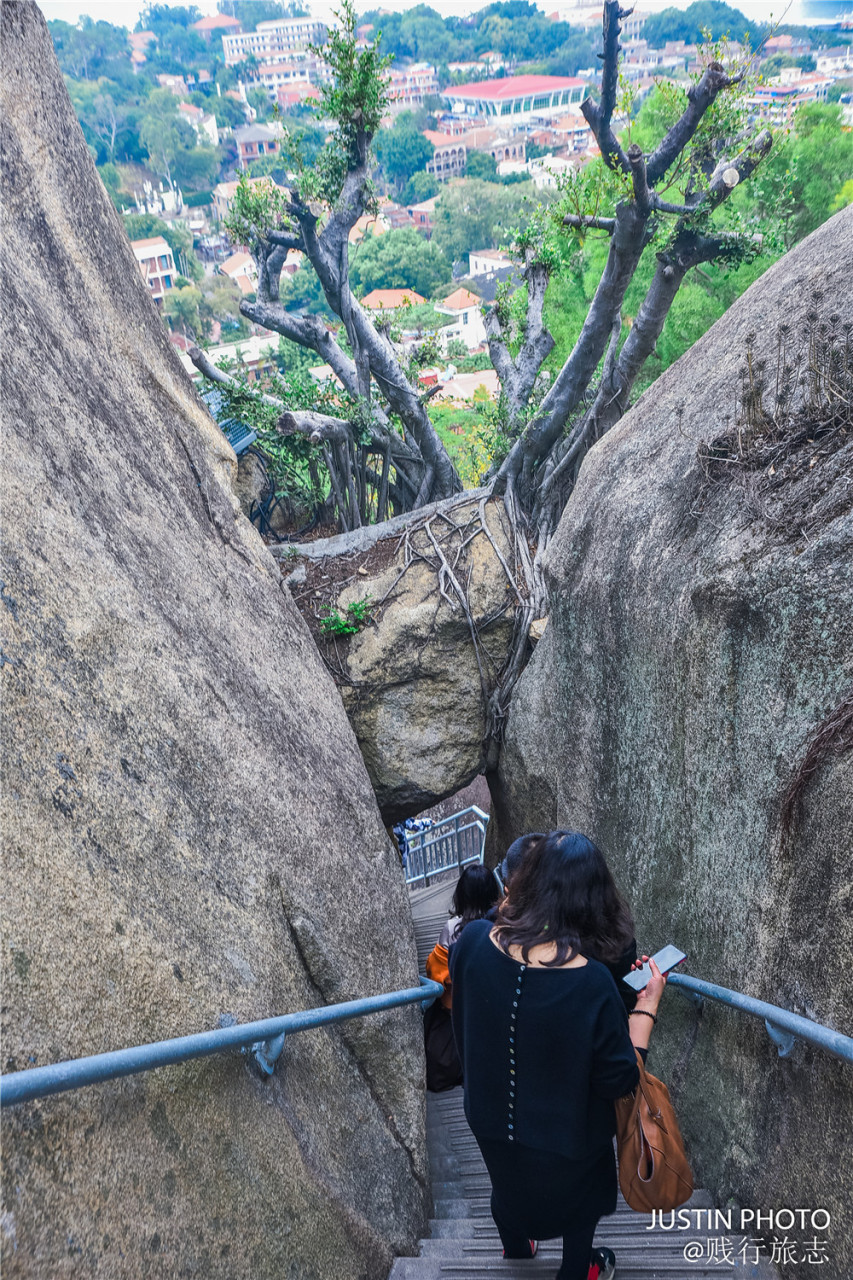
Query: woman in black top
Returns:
{"type": "Point", "coordinates": [546, 1046]}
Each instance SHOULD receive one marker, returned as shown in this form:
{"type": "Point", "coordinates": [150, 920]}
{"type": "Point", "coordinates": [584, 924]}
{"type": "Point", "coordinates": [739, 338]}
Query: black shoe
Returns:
{"type": "Point", "coordinates": [602, 1264]}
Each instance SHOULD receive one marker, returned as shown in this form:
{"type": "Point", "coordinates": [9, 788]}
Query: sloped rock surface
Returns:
{"type": "Point", "coordinates": [189, 829]}
{"type": "Point", "coordinates": [411, 678]}
{"type": "Point", "coordinates": [697, 639]}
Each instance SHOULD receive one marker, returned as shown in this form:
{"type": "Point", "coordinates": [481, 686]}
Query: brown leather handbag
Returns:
{"type": "Point", "coordinates": [654, 1172]}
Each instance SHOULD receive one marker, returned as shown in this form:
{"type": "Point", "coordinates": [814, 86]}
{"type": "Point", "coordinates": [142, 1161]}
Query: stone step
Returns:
{"type": "Point", "coordinates": [542, 1267]}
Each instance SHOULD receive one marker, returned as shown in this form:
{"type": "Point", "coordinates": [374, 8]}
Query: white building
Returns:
{"type": "Point", "coordinates": [408, 86]}
{"type": "Point", "coordinates": [468, 326]}
{"type": "Point", "coordinates": [486, 261]}
{"type": "Point", "coordinates": [204, 125]}
{"type": "Point", "coordinates": [834, 61]}
{"type": "Point", "coordinates": [273, 41]}
{"type": "Point", "coordinates": [156, 265]}
{"type": "Point", "coordinates": [546, 170]}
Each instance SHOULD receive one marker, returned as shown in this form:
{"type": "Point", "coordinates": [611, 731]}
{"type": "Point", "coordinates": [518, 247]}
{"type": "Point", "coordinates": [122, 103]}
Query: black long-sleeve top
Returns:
{"type": "Point", "coordinates": [544, 1051]}
{"type": "Point", "coordinates": [617, 967]}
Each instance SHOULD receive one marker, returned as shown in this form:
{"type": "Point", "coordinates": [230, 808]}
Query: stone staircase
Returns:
{"type": "Point", "coordinates": [463, 1243]}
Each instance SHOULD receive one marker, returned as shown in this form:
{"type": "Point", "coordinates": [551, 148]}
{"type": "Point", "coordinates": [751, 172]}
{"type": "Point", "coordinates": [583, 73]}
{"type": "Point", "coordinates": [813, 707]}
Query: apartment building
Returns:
{"type": "Point", "coordinates": [408, 86]}
{"type": "Point", "coordinates": [777, 101]}
{"type": "Point", "coordinates": [156, 265]}
{"type": "Point", "coordinates": [301, 69]}
{"type": "Point", "coordinates": [834, 61]}
{"type": "Point", "coordinates": [500, 146]}
{"type": "Point", "coordinates": [448, 157]}
{"type": "Point", "coordinates": [421, 215]}
{"type": "Point", "coordinates": [274, 40]}
{"type": "Point", "coordinates": [254, 141]}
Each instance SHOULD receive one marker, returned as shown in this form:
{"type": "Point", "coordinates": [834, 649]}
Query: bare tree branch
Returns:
{"type": "Point", "coordinates": [642, 194]}
{"type": "Point", "coordinates": [599, 116]}
{"type": "Point", "coordinates": [204, 365]}
{"type": "Point", "coordinates": [287, 239]}
{"type": "Point", "coordinates": [699, 98]}
{"type": "Point", "coordinates": [580, 221]}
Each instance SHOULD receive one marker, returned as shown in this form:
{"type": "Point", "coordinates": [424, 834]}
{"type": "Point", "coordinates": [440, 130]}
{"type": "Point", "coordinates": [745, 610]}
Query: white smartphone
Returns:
{"type": "Point", "coordinates": [665, 960]}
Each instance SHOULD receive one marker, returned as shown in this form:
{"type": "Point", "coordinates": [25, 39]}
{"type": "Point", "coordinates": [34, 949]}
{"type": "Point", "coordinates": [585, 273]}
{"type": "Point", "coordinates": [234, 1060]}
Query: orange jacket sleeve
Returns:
{"type": "Point", "coordinates": [437, 971]}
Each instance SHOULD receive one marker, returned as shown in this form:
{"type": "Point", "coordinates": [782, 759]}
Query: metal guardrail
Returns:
{"type": "Point", "coordinates": [783, 1027]}
{"type": "Point", "coordinates": [451, 842]}
{"type": "Point", "coordinates": [263, 1041]}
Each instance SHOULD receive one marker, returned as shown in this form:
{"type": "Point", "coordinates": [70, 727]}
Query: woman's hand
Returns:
{"type": "Point", "coordinates": [649, 998]}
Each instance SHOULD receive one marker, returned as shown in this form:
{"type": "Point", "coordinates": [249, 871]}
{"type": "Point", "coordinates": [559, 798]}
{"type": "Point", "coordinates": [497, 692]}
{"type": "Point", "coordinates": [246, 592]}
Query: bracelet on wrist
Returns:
{"type": "Point", "coordinates": [645, 1013]}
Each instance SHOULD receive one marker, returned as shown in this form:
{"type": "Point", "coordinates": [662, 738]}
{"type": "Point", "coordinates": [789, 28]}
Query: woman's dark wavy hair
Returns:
{"type": "Point", "coordinates": [563, 892]}
{"type": "Point", "coordinates": [476, 893]}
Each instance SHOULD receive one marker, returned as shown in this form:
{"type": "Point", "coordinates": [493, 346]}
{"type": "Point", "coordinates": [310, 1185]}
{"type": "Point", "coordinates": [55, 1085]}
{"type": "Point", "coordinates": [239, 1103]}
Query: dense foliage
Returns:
{"type": "Point", "coordinates": [402, 150]}
{"type": "Point", "coordinates": [514, 28]}
{"type": "Point", "coordinates": [691, 24]}
{"type": "Point", "coordinates": [398, 260]}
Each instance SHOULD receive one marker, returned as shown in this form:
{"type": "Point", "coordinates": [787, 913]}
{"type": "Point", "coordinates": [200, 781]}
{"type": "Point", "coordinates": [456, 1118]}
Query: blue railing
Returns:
{"type": "Point", "coordinates": [783, 1027]}
{"type": "Point", "coordinates": [263, 1040]}
{"type": "Point", "coordinates": [452, 842]}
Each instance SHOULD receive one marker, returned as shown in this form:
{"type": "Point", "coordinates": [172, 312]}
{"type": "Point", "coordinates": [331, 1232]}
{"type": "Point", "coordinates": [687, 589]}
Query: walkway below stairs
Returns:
{"type": "Point", "coordinates": [463, 1243]}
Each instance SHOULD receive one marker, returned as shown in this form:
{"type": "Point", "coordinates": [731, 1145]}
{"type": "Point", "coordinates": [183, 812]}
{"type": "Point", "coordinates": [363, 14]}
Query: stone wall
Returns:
{"type": "Point", "coordinates": [698, 636]}
{"type": "Point", "coordinates": [189, 830]}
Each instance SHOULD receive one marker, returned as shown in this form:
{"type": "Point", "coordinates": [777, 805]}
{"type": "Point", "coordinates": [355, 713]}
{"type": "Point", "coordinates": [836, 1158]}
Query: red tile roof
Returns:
{"type": "Point", "coordinates": [390, 299]}
{"type": "Point", "coordinates": [513, 87]}
{"type": "Point", "coordinates": [461, 300]}
{"type": "Point", "coordinates": [440, 139]}
{"type": "Point", "coordinates": [215, 20]}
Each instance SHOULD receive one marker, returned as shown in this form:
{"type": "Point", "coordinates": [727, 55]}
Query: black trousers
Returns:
{"type": "Point", "coordinates": [539, 1195]}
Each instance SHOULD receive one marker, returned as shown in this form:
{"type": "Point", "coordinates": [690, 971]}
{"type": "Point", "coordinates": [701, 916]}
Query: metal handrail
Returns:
{"type": "Point", "coordinates": [264, 1040]}
{"type": "Point", "coordinates": [783, 1027]}
{"type": "Point", "coordinates": [422, 842]}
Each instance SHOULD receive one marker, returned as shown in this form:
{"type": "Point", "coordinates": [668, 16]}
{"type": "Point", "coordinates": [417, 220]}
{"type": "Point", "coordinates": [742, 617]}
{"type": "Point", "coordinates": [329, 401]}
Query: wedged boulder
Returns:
{"type": "Point", "coordinates": [413, 679]}
{"type": "Point", "coordinates": [189, 829]}
{"type": "Point", "coordinates": [701, 633]}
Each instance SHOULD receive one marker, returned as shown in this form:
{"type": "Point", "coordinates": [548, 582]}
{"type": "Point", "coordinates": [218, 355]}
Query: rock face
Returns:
{"type": "Point", "coordinates": [189, 828]}
{"type": "Point", "coordinates": [697, 639]}
{"type": "Point", "coordinates": [412, 680]}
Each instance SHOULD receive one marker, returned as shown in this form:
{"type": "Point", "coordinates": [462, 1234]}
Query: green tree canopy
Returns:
{"type": "Point", "coordinates": [182, 306]}
{"type": "Point", "coordinates": [797, 187]}
{"type": "Point", "coordinates": [479, 215]}
{"type": "Point", "coordinates": [259, 99]}
{"type": "Point", "coordinates": [196, 168]}
{"type": "Point", "coordinates": [398, 260]}
{"type": "Point", "coordinates": [402, 150]}
{"type": "Point", "coordinates": [161, 17]}
{"type": "Point", "coordinates": [421, 186]}
{"type": "Point", "coordinates": [227, 112]}
{"type": "Point", "coordinates": [690, 23]}
{"type": "Point", "coordinates": [481, 165]}
{"type": "Point", "coordinates": [88, 49]}
{"type": "Point", "coordinates": [251, 12]}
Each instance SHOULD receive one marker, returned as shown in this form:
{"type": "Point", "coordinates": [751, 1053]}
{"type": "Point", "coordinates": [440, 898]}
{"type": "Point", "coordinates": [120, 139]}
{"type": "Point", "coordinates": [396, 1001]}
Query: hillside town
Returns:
{"type": "Point", "coordinates": [465, 145]}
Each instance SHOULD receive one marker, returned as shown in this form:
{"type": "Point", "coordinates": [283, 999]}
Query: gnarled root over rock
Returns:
{"type": "Point", "coordinates": [443, 587]}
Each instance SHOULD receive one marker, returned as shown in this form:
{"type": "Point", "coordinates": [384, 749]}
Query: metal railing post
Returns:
{"type": "Point", "coordinates": [783, 1026]}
